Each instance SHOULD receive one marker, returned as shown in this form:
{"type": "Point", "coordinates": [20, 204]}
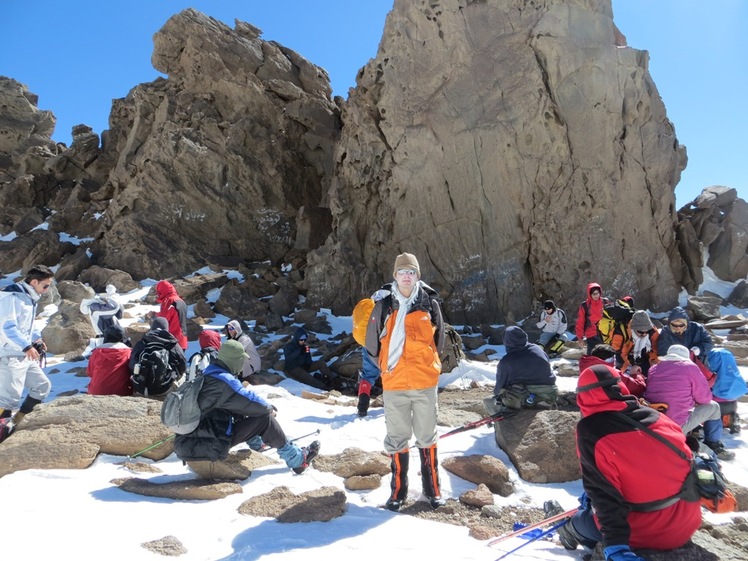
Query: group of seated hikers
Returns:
{"type": "Point", "coordinates": [675, 369]}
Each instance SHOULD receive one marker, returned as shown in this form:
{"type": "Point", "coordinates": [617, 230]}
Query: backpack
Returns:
{"type": "Point", "coordinates": [360, 317]}
{"type": "Point", "coordinates": [153, 374]}
{"type": "Point", "coordinates": [729, 384]}
{"type": "Point", "coordinates": [613, 326]}
{"type": "Point", "coordinates": [452, 353]}
{"type": "Point", "coordinates": [199, 362]}
{"type": "Point", "coordinates": [180, 411]}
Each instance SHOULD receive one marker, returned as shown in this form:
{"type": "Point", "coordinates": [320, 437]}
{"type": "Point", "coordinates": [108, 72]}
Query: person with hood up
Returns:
{"type": "Point", "coordinates": [300, 366]}
{"type": "Point", "coordinates": [590, 312]}
{"type": "Point", "coordinates": [173, 310]}
{"type": "Point", "coordinates": [210, 343]}
{"type": "Point", "coordinates": [640, 352]}
{"type": "Point", "coordinates": [232, 414]}
{"type": "Point", "coordinates": [21, 347]}
{"type": "Point", "coordinates": [154, 340]}
{"type": "Point", "coordinates": [406, 335]}
{"type": "Point", "coordinates": [631, 479]}
{"type": "Point", "coordinates": [552, 323]}
{"type": "Point", "coordinates": [680, 330]}
{"type": "Point", "coordinates": [523, 377]}
{"type": "Point", "coordinates": [677, 381]}
{"type": "Point", "coordinates": [108, 365]}
{"type": "Point", "coordinates": [253, 363]}
{"type": "Point", "coordinates": [606, 354]}
{"type": "Point", "coordinates": [103, 310]}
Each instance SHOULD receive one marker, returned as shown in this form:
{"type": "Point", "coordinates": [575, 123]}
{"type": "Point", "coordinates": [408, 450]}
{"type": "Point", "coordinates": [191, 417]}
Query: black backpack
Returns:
{"type": "Point", "coordinates": [153, 375]}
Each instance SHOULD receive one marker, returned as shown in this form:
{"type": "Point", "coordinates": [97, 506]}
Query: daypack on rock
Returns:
{"type": "Point", "coordinates": [613, 326]}
{"type": "Point", "coordinates": [153, 374]}
{"type": "Point", "coordinates": [180, 411]}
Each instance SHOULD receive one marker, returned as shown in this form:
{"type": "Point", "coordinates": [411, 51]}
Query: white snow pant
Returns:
{"type": "Point", "coordinates": [17, 374]}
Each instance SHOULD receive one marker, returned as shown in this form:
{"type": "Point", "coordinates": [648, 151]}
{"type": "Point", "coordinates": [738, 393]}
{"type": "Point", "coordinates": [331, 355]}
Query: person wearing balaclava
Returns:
{"type": "Point", "coordinates": [108, 365]}
{"type": "Point", "coordinates": [406, 335]}
{"type": "Point", "coordinates": [233, 413]}
{"type": "Point", "coordinates": [680, 330]}
{"type": "Point", "coordinates": [631, 479]}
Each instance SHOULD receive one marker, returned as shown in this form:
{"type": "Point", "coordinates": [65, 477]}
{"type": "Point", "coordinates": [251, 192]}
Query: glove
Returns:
{"type": "Point", "coordinates": [621, 553]}
{"type": "Point", "coordinates": [696, 351]}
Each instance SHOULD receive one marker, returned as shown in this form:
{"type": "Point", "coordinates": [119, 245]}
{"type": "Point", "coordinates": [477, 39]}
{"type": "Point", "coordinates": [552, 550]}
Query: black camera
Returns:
{"type": "Point", "coordinates": [39, 346]}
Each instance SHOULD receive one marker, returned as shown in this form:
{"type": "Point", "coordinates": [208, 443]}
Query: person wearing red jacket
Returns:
{"type": "Point", "coordinates": [631, 479]}
{"type": "Point", "coordinates": [108, 365]}
{"type": "Point", "coordinates": [606, 354]}
{"type": "Point", "coordinates": [590, 312]}
{"type": "Point", "coordinates": [173, 310]}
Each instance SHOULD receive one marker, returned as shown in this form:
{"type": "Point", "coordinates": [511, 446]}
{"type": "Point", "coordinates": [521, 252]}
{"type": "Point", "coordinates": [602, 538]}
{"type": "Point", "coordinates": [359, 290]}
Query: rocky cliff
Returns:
{"type": "Point", "coordinates": [519, 148]}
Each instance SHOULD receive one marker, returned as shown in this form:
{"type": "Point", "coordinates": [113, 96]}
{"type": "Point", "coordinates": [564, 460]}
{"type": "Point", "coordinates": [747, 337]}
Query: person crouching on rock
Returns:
{"type": "Point", "coordinates": [233, 414]}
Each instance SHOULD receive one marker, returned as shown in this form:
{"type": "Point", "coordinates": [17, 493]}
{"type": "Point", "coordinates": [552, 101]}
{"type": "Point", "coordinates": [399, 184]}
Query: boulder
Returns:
{"type": "Point", "coordinates": [479, 497]}
{"type": "Point", "coordinates": [68, 329]}
{"type": "Point", "coordinates": [184, 490]}
{"type": "Point", "coordinates": [354, 461]}
{"type": "Point", "coordinates": [318, 505]}
{"type": "Point", "coordinates": [480, 469]}
{"type": "Point", "coordinates": [541, 444]}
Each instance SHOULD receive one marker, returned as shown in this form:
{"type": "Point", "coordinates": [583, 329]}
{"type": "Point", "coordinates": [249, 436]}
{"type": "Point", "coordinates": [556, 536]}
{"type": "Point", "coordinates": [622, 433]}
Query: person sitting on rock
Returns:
{"type": "Point", "coordinates": [103, 310]}
{"type": "Point", "coordinates": [632, 480]}
{"type": "Point", "coordinates": [640, 352]}
{"type": "Point", "coordinates": [523, 377]}
{"type": "Point", "coordinates": [300, 366]}
{"type": "Point", "coordinates": [232, 414]}
{"type": "Point", "coordinates": [680, 330]}
{"type": "Point", "coordinates": [157, 361]}
{"type": "Point", "coordinates": [679, 383]}
{"type": "Point", "coordinates": [552, 323]}
{"type": "Point", "coordinates": [253, 363]}
{"type": "Point", "coordinates": [108, 365]}
{"type": "Point", "coordinates": [173, 310]}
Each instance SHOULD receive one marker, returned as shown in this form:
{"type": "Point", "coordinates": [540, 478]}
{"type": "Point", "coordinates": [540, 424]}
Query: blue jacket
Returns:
{"type": "Point", "coordinates": [695, 335]}
{"type": "Point", "coordinates": [222, 400]}
{"type": "Point", "coordinates": [524, 363]}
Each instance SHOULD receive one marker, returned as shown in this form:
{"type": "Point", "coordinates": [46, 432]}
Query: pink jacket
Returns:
{"type": "Point", "coordinates": [680, 384]}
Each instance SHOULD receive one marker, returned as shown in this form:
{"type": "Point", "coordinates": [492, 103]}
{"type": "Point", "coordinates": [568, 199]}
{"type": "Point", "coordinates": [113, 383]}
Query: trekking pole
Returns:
{"type": "Point", "coordinates": [479, 423]}
{"type": "Point", "coordinates": [305, 436]}
{"type": "Point", "coordinates": [151, 447]}
{"type": "Point", "coordinates": [549, 520]}
{"type": "Point", "coordinates": [541, 535]}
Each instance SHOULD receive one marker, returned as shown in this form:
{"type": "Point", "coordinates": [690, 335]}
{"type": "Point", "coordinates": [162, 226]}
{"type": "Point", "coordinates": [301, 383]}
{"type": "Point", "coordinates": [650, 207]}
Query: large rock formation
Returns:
{"type": "Point", "coordinates": [519, 149]}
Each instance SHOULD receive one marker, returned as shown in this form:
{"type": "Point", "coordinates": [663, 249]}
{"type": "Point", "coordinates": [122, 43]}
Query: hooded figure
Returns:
{"type": "Point", "coordinates": [174, 310]}
{"type": "Point", "coordinates": [523, 377]}
{"type": "Point", "coordinates": [681, 331]}
{"type": "Point", "coordinates": [252, 363]}
{"type": "Point", "coordinates": [590, 312]}
{"type": "Point", "coordinates": [210, 343]}
{"type": "Point", "coordinates": [300, 366]}
{"type": "Point", "coordinates": [158, 337]}
{"type": "Point", "coordinates": [108, 365]}
{"type": "Point", "coordinates": [640, 352]}
{"type": "Point", "coordinates": [623, 468]}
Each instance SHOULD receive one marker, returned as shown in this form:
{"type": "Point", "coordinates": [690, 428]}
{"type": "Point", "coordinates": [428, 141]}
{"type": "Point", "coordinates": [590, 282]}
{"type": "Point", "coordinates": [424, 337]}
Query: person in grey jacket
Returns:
{"type": "Point", "coordinates": [232, 414]}
{"type": "Point", "coordinates": [552, 322]}
{"type": "Point", "coordinates": [252, 363]}
{"type": "Point", "coordinates": [20, 347]}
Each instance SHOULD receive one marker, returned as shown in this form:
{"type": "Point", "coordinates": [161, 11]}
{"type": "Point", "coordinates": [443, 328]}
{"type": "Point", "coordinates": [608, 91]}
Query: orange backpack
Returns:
{"type": "Point", "coordinates": [361, 315]}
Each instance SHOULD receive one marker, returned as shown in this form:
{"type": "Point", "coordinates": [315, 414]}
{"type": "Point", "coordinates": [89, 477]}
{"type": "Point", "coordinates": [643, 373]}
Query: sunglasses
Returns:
{"type": "Point", "coordinates": [230, 328]}
{"type": "Point", "coordinates": [409, 272]}
{"type": "Point", "coordinates": [302, 340]}
{"type": "Point", "coordinates": [641, 333]}
{"type": "Point", "coordinates": [46, 286]}
{"type": "Point", "coordinates": [549, 309]}
{"type": "Point", "coordinates": [678, 325]}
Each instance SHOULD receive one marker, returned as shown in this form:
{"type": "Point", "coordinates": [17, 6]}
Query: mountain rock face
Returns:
{"type": "Point", "coordinates": [519, 149]}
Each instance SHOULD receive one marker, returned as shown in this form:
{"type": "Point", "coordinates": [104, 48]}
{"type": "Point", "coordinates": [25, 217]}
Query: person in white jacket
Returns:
{"type": "Point", "coordinates": [552, 322]}
{"type": "Point", "coordinates": [252, 363]}
{"type": "Point", "coordinates": [104, 310]}
{"type": "Point", "coordinates": [20, 348]}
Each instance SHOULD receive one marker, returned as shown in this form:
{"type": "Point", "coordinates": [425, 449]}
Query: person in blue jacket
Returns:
{"type": "Point", "coordinates": [680, 330]}
{"type": "Point", "coordinates": [300, 366]}
{"type": "Point", "coordinates": [233, 414]}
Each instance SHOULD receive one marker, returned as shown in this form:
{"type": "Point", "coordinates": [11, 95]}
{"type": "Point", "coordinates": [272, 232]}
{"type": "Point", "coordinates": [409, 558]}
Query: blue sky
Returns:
{"type": "Point", "coordinates": [78, 55]}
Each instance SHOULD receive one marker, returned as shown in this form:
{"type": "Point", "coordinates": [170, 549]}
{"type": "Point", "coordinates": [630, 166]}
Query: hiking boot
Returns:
{"type": "Point", "coordinates": [436, 502]}
{"type": "Point", "coordinates": [310, 452]}
{"type": "Point", "coordinates": [6, 428]}
{"type": "Point", "coordinates": [552, 508]}
{"type": "Point", "coordinates": [566, 534]}
{"type": "Point", "coordinates": [363, 404]}
{"type": "Point", "coordinates": [393, 504]}
{"type": "Point", "coordinates": [720, 451]}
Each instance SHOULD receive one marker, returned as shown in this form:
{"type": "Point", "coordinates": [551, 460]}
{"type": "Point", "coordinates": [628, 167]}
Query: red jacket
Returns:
{"type": "Point", "coordinates": [623, 465]}
{"type": "Point", "coordinates": [174, 310]}
{"type": "Point", "coordinates": [590, 312]}
{"type": "Point", "coordinates": [108, 370]}
{"type": "Point", "coordinates": [635, 385]}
